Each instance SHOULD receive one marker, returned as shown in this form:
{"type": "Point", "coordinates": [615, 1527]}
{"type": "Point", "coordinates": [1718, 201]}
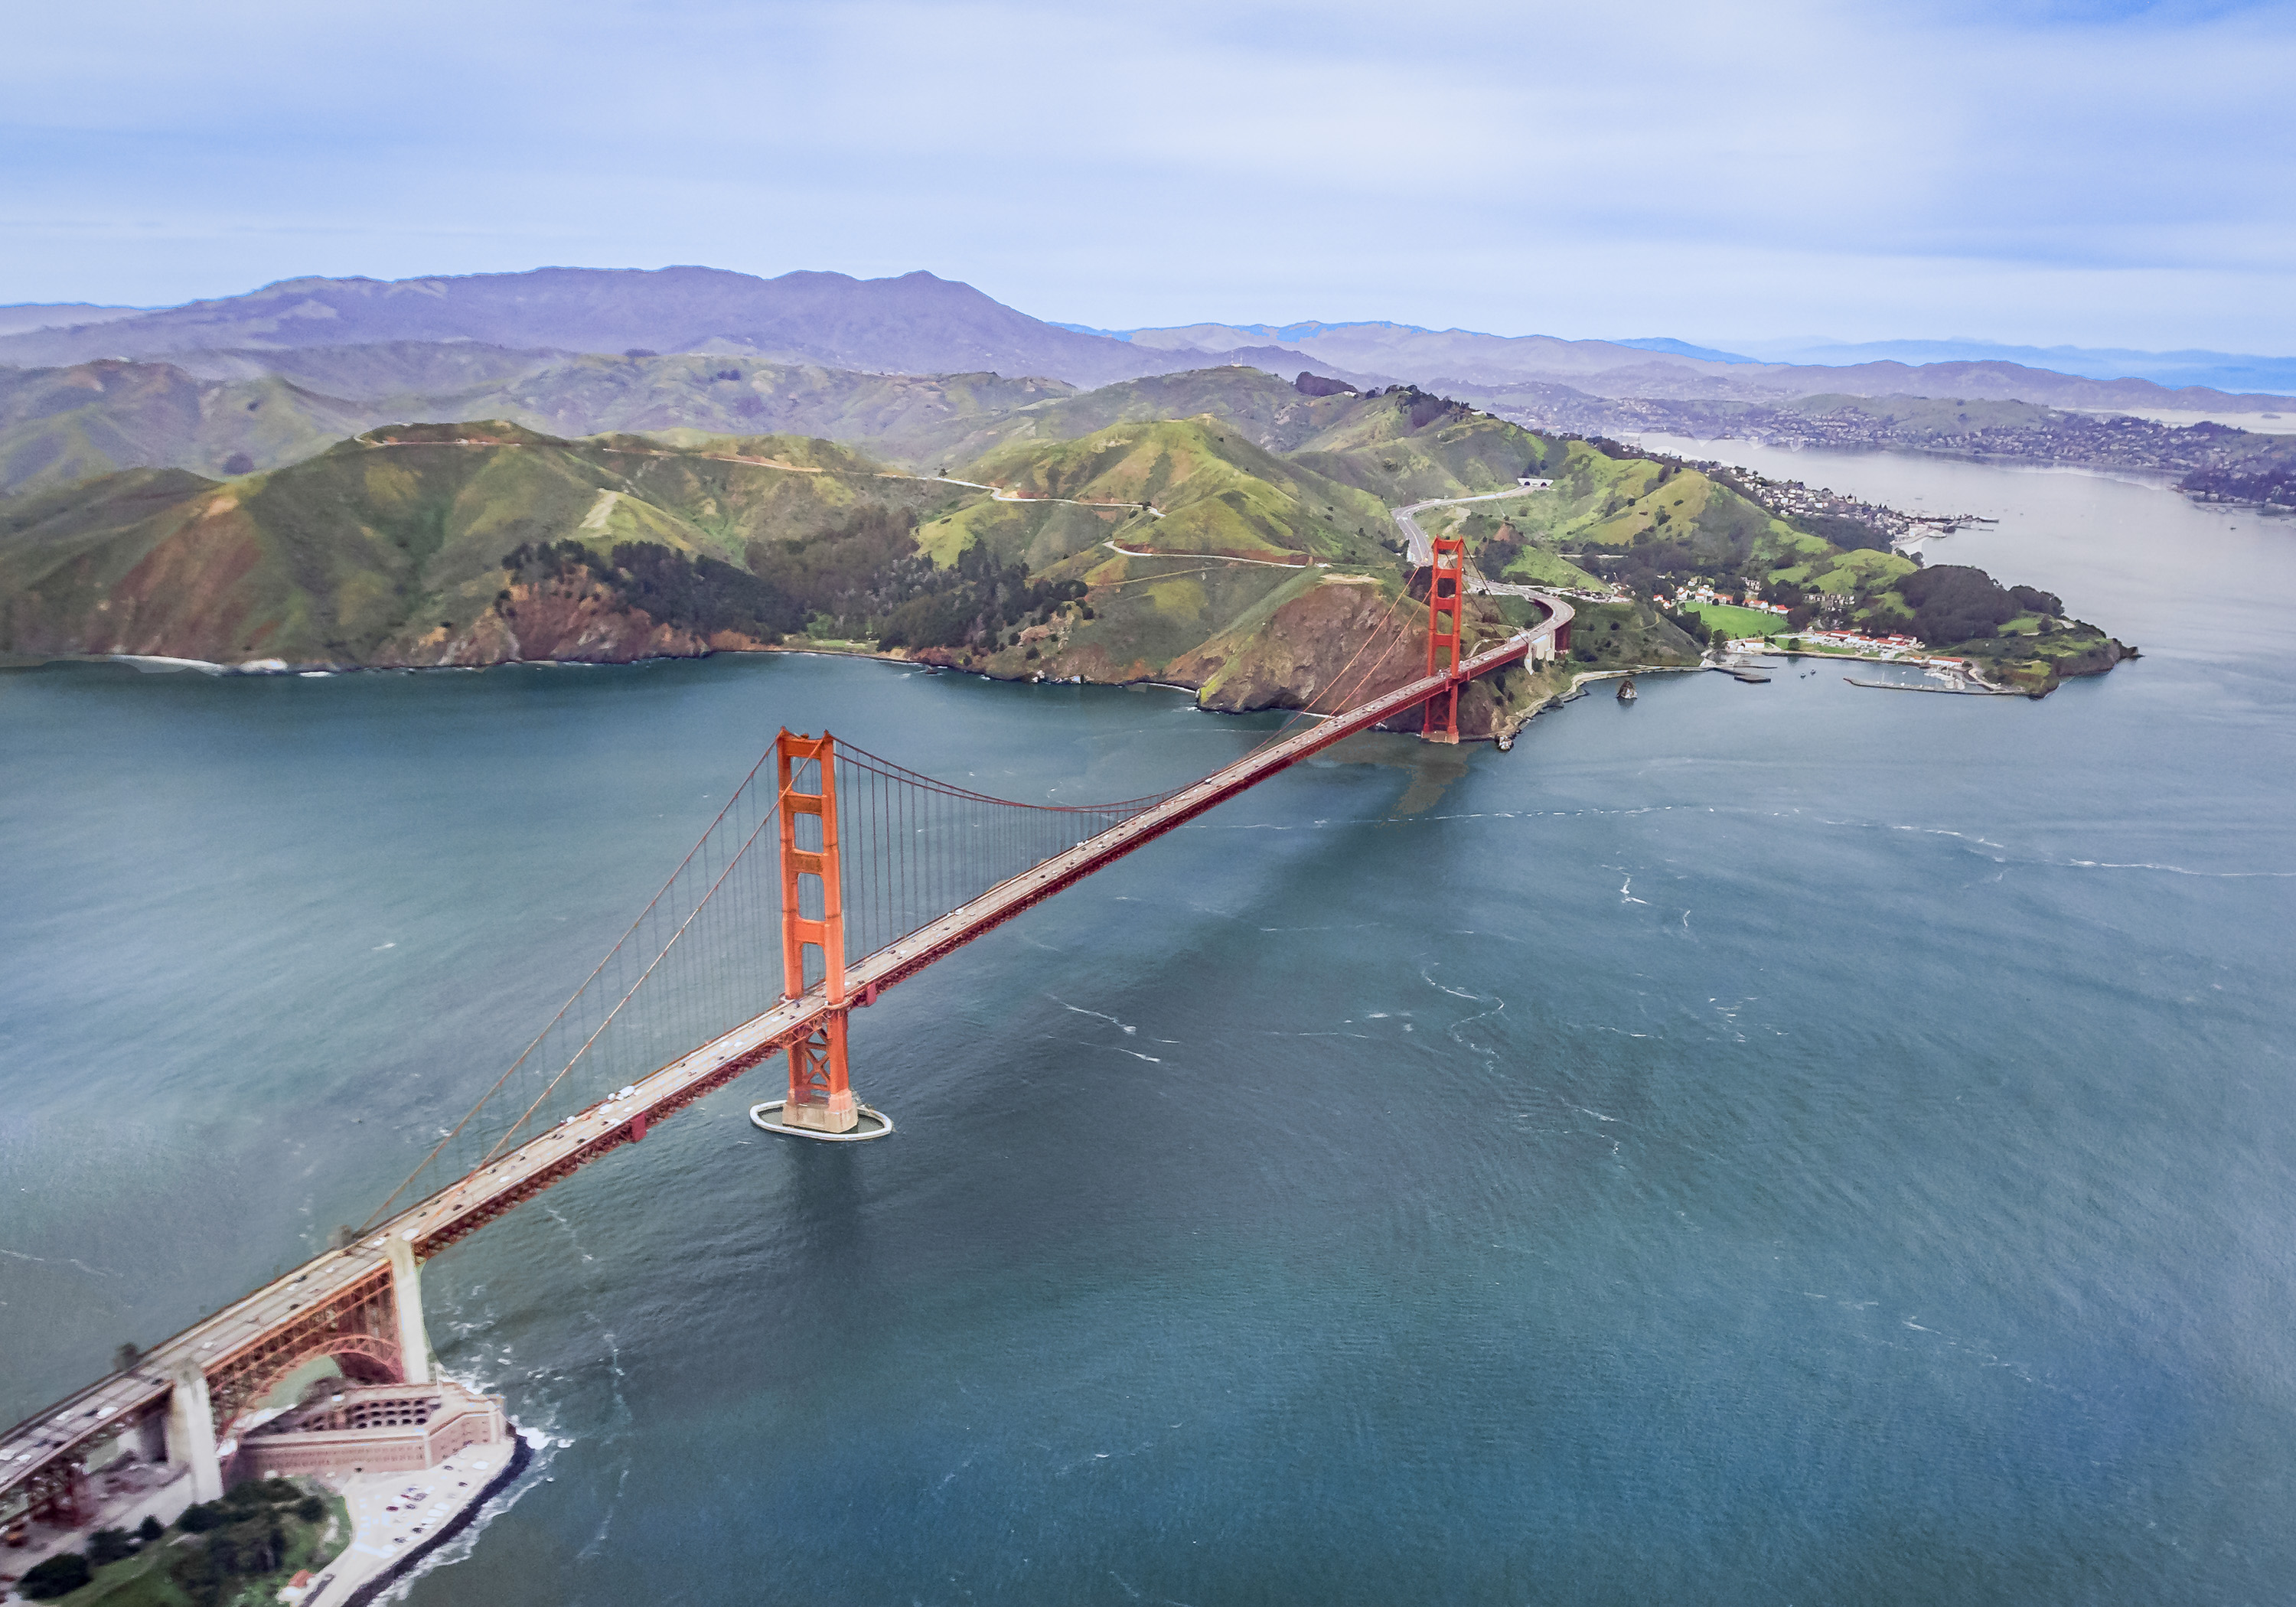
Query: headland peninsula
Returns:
{"type": "Point", "coordinates": [1220, 529]}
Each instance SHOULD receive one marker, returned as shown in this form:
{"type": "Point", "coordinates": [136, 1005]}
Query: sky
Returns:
{"type": "Point", "coordinates": [2029, 171]}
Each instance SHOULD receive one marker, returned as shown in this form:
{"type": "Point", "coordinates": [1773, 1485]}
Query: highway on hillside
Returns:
{"type": "Point", "coordinates": [1421, 551]}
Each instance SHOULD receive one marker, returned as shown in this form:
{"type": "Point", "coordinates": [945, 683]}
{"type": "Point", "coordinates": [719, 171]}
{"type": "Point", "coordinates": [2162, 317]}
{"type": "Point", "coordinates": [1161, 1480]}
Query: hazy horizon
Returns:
{"type": "Point", "coordinates": [1802, 349]}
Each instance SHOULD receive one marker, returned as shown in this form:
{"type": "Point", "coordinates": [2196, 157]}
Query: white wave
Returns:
{"type": "Point", "coordinates": [157, 664]}
{"type": "Point", "coordinates": [1099, 1014]}
{"type": "Point", "coordinates": [2174, 870]}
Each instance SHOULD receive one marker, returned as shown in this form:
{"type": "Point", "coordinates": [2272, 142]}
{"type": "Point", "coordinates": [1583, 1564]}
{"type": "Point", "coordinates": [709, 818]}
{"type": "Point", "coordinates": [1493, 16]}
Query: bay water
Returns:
{"type": "Point", "coordinates": [1789, 1143]}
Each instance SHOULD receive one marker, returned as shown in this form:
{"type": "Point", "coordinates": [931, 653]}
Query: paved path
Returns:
{"type": "Point", "coordinates": [1000, 495]}
{"type": "Point", "coordinates": [1222, 557]}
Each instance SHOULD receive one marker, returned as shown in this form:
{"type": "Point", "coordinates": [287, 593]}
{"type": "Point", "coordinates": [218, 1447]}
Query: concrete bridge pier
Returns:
{"type": "Point", "coordinates": [406, 1303]}
{"type": "Point", "coordinates": [151, 1435]}
{"type": "Point", "coordinates": [191, 1431]}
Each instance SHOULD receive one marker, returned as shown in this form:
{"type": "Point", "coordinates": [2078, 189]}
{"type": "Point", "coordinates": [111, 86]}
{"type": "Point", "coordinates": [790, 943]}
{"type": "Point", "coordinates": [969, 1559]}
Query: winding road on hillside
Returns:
{"type": "Point", "coordinates": [997, 495]}
{"type": "Point", "coordinates": [1421, 551]}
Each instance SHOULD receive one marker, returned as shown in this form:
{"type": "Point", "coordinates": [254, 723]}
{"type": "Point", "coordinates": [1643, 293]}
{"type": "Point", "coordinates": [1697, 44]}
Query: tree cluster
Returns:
{"type": "Point", "coordinates": [1689, 624]}
{"type": "Point", "coordinates": [864, 578]}
{"type": "Point", "coordinates": [67, 1571]}
{"type": "Point", "coordinates": [850, 577]}
{"type": "Point", "coordinates": [1844, 532]}
{"type": "Point", "coordinates": [1500, 550]}
{"type": "Point", "coordinates": [56, 1575]}
{"type": "Point", "coordinates": [1656, 565]}
{"type": "Point", "coordinates": [703, 595]}
{"type": "Point", "coordinates": [1421, 409]}
{"type": "Point", "coordinates": [246, 1537]}
{"type": "Point", "coordinates": [974, 603]}
{"type": "Point", "coordinates": [1953, 603]}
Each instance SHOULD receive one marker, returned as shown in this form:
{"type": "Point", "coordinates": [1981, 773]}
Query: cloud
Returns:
{"type": "Point", "coordinates": [2100, 173]}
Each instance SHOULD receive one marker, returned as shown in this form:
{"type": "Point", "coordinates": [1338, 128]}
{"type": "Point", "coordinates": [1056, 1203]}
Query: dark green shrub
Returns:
{"type": "Point", "coordinates": [196, 1574]}
{"type": "Point", "coordinates": [257, 1545]}
{"type": "Point", "coordinates": [150, 1529]}
{"type": "Point", "coordinates": [310, 1509]}
{"type": "Point", "coordinates": [109, 1545]}
{"type": "Point", "coordinates": [202, 1516]}
{"type": "Point", "coordinates": [940, 619]}
{"type": "Point", "coordinates": [59, 1575]}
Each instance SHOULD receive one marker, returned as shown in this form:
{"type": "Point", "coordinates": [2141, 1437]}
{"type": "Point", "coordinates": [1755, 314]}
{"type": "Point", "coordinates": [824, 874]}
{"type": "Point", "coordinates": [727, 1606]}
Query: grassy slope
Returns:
{"type": "Point", "coordinates": [906, 419]}
{"type": "Point", "coordinates": [62, 425]}
{"type": "Point", "coordinates": [1150, 613]}
{"type": "Point", "coordinates": [1248, 636]}
{"type": "Point", "coordinates": [1520, 559]}
{"type": "Point", "coordinates": [1218, 492]}
{"type": "Point", "coordinates": [1736, 622]}
{"type": "Point", "coordinates": [1263, 409]}
{"type": "Point", "coordinates": [59, 426]}
{"type": "Point", "coordinates": [1373, 445]}
{"type": "Point", "coordinates": [334, 559]}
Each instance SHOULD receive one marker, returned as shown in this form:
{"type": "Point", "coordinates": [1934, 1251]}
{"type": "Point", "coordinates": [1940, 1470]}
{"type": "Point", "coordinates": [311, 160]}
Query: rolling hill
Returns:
{"type": "Point", "coordinates": [1244, 549]}
{"type": "Point", "coordinates": [220, 416]}
{"type": "Point", "coordinates": [390, 548]}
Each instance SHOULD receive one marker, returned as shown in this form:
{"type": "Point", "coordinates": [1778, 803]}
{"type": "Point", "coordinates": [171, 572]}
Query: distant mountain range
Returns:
{"type": "Point", "coordinates": [920, 324]}
{"type": "Point", "coordinates": [60, 314]}
{"type": "Point", "coordinates": [1660, 367]}
{"type": "Point", "coordinates": [916, 323]}
{"type": "Point", "coordinates": [2218, 370]}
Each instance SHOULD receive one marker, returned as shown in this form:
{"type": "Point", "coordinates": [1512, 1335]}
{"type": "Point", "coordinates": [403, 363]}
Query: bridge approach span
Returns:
{"type": "Point", "coordinates": [186, 1396]}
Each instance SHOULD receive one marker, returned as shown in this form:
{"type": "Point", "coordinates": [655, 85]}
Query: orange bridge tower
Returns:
{"type": "Point", "coordinates": [820, 1095]}
{"type": "Point", "coordinates": [1446, 587]}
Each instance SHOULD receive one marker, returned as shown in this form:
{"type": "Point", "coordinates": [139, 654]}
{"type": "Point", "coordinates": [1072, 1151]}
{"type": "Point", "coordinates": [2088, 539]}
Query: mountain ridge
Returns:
{"type": "Point", "coordinates": [917, 323]}
{"type": "Point", "coordinates": [913, 323]}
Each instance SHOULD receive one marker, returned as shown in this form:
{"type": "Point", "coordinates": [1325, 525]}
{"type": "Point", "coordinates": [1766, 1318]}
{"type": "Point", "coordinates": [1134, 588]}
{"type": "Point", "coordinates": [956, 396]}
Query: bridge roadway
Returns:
{"type": "Point", "coordinates": [212, 1346]}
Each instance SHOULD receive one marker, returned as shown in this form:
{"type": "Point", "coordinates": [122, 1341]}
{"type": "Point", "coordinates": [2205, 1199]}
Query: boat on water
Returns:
{"type": "Point", "coordinates": [1626, 692]}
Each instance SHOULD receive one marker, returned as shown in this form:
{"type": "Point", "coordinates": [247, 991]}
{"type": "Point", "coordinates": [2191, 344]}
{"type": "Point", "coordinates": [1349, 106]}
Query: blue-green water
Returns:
{"type": "Point", "coordinates": [1768, 1143]}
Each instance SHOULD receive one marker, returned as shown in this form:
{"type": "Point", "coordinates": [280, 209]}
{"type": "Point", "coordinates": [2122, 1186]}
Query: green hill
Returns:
{"type": "Point", "coordinates": [390, 548]}
{"type": "Point", "coordinates": [62, 425]}
{"type": "Point", "coordinates": [1211, 490]}
{"type": "Point", "coordinates": [1246, 548]}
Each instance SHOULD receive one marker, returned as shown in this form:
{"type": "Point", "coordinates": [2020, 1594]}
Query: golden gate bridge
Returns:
{"type": "Point", "coordinates": [871, 872]}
